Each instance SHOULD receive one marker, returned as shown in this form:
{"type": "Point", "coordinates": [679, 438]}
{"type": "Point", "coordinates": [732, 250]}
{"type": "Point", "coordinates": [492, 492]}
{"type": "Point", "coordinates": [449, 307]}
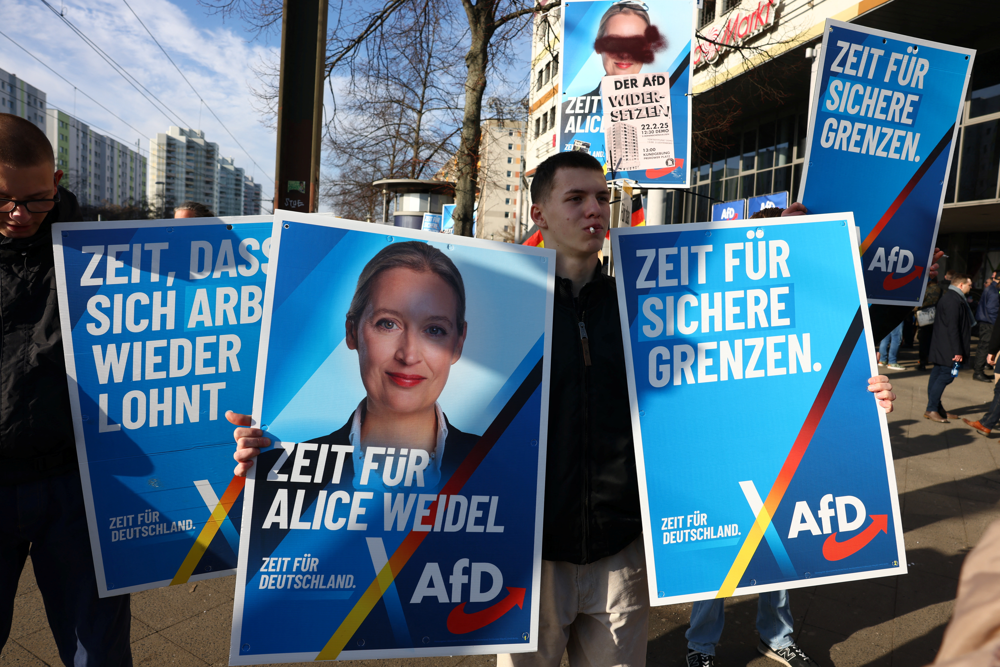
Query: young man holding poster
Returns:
{"type": "Point", "coordinates": [41, 501]}
{"type": "Point", "coordinates": [594, 594]}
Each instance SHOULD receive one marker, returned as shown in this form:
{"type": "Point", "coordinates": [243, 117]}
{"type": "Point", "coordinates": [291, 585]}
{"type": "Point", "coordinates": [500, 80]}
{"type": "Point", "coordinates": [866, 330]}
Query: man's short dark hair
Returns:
{"type": "Point", "coordinates": [773, 212]}
{"type": "Point", "coordinates": [960, 279]}
{"type": "Point", "coordinates": [22, 144]}
{"type": "Point", "coordinates": [545, 173]}
{"type": "Point", "coordinates": [200, 210]}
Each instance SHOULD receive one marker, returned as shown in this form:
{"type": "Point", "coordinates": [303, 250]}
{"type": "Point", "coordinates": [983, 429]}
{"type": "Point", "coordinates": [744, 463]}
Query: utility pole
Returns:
{"type": "Point", "coordinates": [300, 105]}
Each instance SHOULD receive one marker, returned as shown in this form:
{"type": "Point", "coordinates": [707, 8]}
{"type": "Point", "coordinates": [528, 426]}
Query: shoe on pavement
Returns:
{"type": "Point", "coordinates": [935, 417]}
{"type": "Point", "coordinates": [976, 425]}
{"type": "Point", "coordinates": [696, 659]}
{"type": "Point", "coordinates": [952, 416]}
{"type": "Point", "coordinates": [790, 656]}
{"type": "Point", "coordinates": [896, 367]}
{"type": "Point", "coordinates": [981, 377]}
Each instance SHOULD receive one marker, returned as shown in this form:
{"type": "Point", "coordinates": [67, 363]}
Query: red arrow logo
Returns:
{"type": "Point", "coordinates": [834, 550]}
{"type": "Point", "coordinates": [460, 623]}
{"type": "Point", "coordinates": [891, 282]}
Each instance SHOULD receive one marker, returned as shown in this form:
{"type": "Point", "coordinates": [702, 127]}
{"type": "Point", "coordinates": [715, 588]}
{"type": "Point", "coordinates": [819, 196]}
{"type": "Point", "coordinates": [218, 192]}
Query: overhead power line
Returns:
{"type": "Point", "coordinates": [132, 81]}
{"type": "Point", "coordinates": [195, 90]}
{"type": "Point", "coordinates": [73, 85]}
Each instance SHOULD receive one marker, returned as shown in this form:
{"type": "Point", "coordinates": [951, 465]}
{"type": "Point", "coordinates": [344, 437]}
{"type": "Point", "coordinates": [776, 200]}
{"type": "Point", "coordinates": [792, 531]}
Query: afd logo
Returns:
{"type": "Point", "coordinates": [729, 213]}
{"type": "Point", "coordinates": [431, 584]}
{"type": "Point", "coordinates": [898, 263]}
{"type": "Point", "coordinates": [768, 204]}
{"type": "Point", "coordinates": [803, 519]}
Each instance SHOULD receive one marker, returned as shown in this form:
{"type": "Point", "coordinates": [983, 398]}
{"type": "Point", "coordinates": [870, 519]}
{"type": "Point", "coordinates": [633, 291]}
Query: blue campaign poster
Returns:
{"type": "Point", "coordinates": [432, 222]}
{"type": "Point", "coordinates": [747, 324]}
{"type": "Point", "coordinates": [583, 68]}
{"type": "Point", "coordinates": [447, 221]}
{"type": "Point", "coordinates": [160, 322]}
{"type": "Point", "coordinates": [775, 200]}
{"type": "Point", "coordinates": [399, 513]}
{"type": "Point", "coordinates": [730, 210]}
{"type": "Point", "coordinates": [889, 105]}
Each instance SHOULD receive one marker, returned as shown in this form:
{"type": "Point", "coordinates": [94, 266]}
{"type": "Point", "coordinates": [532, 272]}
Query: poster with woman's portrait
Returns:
{"type": "Point", "coordinates": [626, 83]}
{"type": "Point", "coordinates": [403, 380]}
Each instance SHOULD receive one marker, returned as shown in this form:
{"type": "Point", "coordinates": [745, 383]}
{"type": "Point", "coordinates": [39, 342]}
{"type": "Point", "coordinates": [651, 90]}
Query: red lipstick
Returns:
{"type": "Point", "coordinates": [404, 380]}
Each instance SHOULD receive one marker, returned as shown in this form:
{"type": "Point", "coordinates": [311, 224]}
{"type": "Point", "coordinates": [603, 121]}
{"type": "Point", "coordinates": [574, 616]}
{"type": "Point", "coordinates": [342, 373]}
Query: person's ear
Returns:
{"type": "Point", "coordinates": [57, 177]}
{"type": "Point", "coordinates": [538, 217]}
{"type": "Point", "coordinates": [457, 354]}
{"type": "Point", "coordinates": [351, 335]}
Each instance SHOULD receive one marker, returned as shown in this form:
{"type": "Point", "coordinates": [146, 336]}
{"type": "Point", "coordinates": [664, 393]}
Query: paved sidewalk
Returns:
{"type": "Point", "coordinates": [949, 489]}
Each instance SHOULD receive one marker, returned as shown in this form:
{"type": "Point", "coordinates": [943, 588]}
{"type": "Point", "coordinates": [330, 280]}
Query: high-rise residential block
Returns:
{"type": "Point", "coordinates": [20, 98]}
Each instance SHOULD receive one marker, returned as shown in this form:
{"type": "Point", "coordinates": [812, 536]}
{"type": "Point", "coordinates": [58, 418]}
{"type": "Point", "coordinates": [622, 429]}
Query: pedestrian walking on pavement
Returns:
{"type": "Point", "coordinates": [953, 324]}
{"type": "Point", "coordinates": [986, 315]}
{"type": "Point", "coordinates": [888, 349]}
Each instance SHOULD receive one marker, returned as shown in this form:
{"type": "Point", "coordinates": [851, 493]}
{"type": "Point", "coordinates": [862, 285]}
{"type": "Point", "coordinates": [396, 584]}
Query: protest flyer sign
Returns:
{"type": "Point", "coordinates": [641, 131]}
{"type": "Point", "coordinates": [358, 546]}
{"type": "Point", "coordinates": [730, 210]}
{"type": "Point", "coordinates": [885, 104]}
{"type": "Point", "coordinates": [160, 323]}
{"type": "Point", "coordinates": [746, 324]}
{"type": "Point", "coordinates": [774, 200]}
{"type": "Point", "coordinates": [638, 130]}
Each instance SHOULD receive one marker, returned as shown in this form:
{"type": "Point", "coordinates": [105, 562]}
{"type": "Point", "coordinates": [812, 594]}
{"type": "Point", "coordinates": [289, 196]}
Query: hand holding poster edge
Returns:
{"type": "Point", "coordinates": [183, 572]}
{"type": "Point", "coordinates": [730, 583]}
{"type": "Point", "coordinates": [378, 585]}
{"type": "Point", "coordinates": [886, 215]}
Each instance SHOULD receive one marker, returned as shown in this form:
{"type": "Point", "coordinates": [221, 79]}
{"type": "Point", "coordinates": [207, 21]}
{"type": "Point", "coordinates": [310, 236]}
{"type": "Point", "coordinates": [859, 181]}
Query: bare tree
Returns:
{"type": "Point", "coordinates": [363, 36]}
{"type": "Point", "coordinates": [397, 118]}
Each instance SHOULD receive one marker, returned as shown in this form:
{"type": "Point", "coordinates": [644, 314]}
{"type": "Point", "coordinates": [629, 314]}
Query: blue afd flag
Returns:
{"type": "Point", "coordinates": [748, 325]}
{"type": "Point", "coordinates": [881, 140]}
{"type": "Point", "coordinates": [775, 200]}
{"type": "Point", "coordinates": [399, 512]}
{"type": "Point", "coordinates": [729, 211]}
{"type": "Point", "coordinates": [161, 322]}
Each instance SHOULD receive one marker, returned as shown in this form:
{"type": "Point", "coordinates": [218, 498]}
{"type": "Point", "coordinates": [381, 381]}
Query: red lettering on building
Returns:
{"type": "Point", "coordinates": [740, 26]}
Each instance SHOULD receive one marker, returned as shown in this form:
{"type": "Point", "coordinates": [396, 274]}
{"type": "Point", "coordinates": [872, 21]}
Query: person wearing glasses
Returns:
{"type": "Point", "coordinates": [41, 501]}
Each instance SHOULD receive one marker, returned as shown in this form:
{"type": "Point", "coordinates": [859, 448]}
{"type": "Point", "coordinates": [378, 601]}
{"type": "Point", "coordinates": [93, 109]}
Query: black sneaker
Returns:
{"type": "Point", "coordinates": [790, 656]}
{"type": "Point", "coordinates": [696, 659]}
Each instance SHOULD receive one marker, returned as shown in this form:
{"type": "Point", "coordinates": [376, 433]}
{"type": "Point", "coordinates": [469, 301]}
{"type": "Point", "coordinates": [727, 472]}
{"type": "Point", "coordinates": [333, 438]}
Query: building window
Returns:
{"type": "Point", "coordinates": [539, 79]}
{"type": "Point", "coordinates": [555, 67]}
{"type": "Point", "coordinates": [548, 72]}
{"type": "Point", "coordinates": [506, 227]}
{"type": "Point", "coordinates": [508, 187]}
{"type": "Point", "coordinates": [707, 13]}
{"type": "Point", "coordinates": [506, 214]}
{"type": "Point", "coordinates": [538, 122]}
{"type": "Point", "coordinates": [552, 117]}
{"type": "Point", "coordinates": [510, 160]}
{"type": "Point", "coordinates": [508, 174]}
{"type": "Point", "coordinates": [507, 201]}
{"type": "Point", "coordinates": [510, 133]}
{"type": "Point", "coordinates": [510, 147]}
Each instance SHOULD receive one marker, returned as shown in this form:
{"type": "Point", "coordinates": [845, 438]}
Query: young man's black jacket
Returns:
{"type": "Point", "coordinates": [952, 329]}
{"type": "Point", "coordinates": [591, 488]}
{"type": "Point", "coordinates": [36, 428]}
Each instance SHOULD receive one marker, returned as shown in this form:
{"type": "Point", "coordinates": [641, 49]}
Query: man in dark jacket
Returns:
{"type": "Point", "coordinates": [950, 343]}
{"type": "Point", "coordinates": [986, 315]}
{"type": "Point", "coordinates": [41, 501]}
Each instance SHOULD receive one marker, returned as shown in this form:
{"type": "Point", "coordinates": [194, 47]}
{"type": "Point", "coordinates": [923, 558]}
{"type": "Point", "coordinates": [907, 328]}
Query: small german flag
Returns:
{"type": "Point", "coordinates": [638, 217]}
{"type": "Point", "coordinates": [535, 240]}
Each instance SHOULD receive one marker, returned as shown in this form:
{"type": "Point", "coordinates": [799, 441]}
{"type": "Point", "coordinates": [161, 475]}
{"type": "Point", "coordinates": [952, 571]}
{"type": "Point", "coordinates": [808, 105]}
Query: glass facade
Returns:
{"type": "Point", "coordinates": [765, 157]}
{"type": "Point", "coordinates": [975, 167]}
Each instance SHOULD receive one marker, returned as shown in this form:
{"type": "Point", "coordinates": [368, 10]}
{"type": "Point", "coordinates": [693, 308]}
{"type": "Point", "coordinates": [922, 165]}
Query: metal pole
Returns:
{"type": "Point", "coordinates": [655, 213]}
{"type": "Point", "coordinates": [300, 104]}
